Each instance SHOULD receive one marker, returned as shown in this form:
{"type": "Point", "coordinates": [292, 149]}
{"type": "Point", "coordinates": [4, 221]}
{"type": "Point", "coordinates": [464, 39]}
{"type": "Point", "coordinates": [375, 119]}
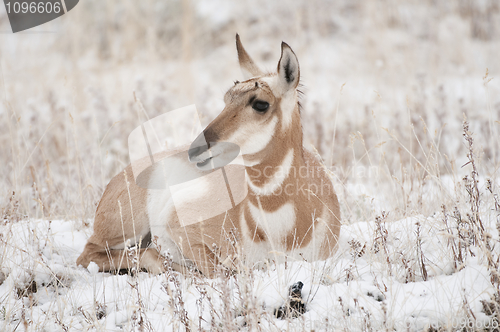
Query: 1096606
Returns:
{"type": "Point", "coordinates": [33, 7]}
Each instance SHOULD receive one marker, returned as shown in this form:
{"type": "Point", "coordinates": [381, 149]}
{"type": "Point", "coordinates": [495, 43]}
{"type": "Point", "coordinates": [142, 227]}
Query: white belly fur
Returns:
{"type": "Point", "coordinates": [280, 224]}
{"type": "Point", "coordinates": [161, 210]}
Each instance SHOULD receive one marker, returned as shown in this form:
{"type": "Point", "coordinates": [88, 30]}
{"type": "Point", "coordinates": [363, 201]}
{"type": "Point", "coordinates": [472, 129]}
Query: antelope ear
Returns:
{"type": "Point", "coordinates": [248, 67]}
{"type": "Point", "coordinates": [288, 68]}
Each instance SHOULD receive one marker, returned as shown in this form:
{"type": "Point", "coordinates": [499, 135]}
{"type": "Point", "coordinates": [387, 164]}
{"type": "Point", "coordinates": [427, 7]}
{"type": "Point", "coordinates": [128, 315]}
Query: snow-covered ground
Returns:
{"type": "Point", "coordinates": [386, 87]}
{"type": "Point", "coordinates": [375, 282]}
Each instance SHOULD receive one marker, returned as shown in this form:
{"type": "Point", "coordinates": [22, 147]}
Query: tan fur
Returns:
{"type": "Point", "coordinates": [231, 236]}
{"type": "Point", "coordinates": [248, 67]}
{"type": "Point", "coordinates": [119, 217]}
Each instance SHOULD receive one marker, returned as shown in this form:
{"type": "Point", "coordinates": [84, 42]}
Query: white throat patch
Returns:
{"type": "Point", "coordinates": [275, 224]}
{"type": "Point", "coordinates": [278, 177]}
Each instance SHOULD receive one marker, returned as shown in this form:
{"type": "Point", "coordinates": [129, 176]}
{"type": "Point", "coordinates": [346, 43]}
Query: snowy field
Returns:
{"type": "Point", "coordinates": [404, 280]}
{"type": "Point", "coordinates": [388, 88]}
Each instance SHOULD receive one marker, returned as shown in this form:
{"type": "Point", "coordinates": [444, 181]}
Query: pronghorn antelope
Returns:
{"type": "Point", "coordinates": [290, 208]}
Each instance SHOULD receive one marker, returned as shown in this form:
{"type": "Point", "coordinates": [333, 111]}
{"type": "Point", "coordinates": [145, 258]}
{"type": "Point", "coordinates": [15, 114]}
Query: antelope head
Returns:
{"type": "Point", "coordinates": [259, 113]}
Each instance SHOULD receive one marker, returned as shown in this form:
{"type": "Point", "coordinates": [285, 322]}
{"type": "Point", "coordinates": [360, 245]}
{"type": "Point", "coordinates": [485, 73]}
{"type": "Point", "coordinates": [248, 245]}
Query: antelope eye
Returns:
{"type": "Point", "coordinates": [260, 106]}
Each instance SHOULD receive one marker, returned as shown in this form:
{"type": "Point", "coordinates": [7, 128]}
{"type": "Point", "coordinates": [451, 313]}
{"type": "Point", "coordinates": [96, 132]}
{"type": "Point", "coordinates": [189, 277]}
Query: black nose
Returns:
{"type": "Point", "coordinates": [198, 146]}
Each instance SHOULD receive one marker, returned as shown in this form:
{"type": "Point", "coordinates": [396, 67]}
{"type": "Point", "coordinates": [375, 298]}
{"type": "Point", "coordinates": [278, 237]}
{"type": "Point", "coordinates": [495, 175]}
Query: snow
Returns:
{"type": "Point", "coordinates": [350, 290]}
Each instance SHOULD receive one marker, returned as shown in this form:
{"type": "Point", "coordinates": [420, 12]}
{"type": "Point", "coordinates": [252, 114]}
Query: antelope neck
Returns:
{"type": "Point", "coordinates": [278, 160]}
